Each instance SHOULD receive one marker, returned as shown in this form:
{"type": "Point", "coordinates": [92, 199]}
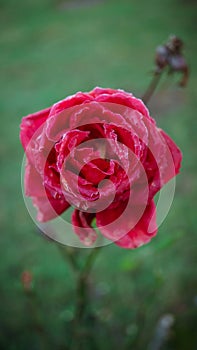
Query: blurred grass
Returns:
{"type": "Point", "coordinates": [49, 51]}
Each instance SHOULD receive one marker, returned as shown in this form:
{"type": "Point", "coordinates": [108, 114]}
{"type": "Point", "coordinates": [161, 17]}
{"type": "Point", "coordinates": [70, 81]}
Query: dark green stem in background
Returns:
{"type": "Point", "coordinates": [81, 291]}
{"type": "Point", "coordinates": [82, 300]}
{"type": "Point", "coordinates": [82, 282]}
{"type": "Point", "coordinates": [70, 255]}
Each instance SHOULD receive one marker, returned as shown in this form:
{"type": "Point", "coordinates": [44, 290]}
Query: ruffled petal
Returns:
{"type": "Point", "coordinates": [30, 124]}
{"type": "Point", "coordinates": [175, 152]}
{"type": "Point", "coordinates": [123, 98]}
{"type": "Point", "coordinates": [143, 232]}
{"type": "Point", "coordinates": [48, 207]}
{"type": "Point", "coordinates": [82, 227]}
{"type": "Point", "coordinates": [130, 226]}
{"type": "Point", "coordinates": [33, 182]}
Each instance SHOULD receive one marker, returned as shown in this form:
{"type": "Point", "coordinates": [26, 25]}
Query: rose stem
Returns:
{"type": "Point", "coordinates": [70, 256]}
{"type": "Point", "coordinates": [151, 88]}
{"type": "Point", "coordinates": [82, 298]}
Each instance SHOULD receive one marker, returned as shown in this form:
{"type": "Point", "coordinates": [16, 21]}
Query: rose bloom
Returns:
{"type": "Point", "coordinates": [101, 153]}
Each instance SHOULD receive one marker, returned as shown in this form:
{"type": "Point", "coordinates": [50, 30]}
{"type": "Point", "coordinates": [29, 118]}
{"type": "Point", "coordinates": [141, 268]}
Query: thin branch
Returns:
{"type": "Point", "coordinates": [82, 298]}
{"type": "Point", "coordinates": [151, 88]}
{"type": "Point", "coordinates": [70, 255]}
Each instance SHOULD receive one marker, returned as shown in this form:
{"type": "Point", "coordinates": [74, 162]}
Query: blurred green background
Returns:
{"type": "Point", "coordinates": [143, 299]}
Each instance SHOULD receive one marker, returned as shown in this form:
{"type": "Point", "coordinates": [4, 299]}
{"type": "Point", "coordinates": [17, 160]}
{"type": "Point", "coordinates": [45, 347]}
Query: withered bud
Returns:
{"type": "Point", "coordinates": [170, 55]}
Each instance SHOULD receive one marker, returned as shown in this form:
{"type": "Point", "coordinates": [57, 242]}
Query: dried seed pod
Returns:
{"type": "Point", "coordinates": [170, 55]}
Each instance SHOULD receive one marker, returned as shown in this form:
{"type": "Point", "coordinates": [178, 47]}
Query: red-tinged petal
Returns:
{"type": "Point", "coordinates": [126, 147]}
{"type": "Point", "coordinates": [95, 113]}
{"type": "Point", "coordinates": [80, 157]}
{"type": "Point", "coordinates": [30, 124]}
{"type": "Point", "coordinates": [97, 170]}
{"type": "Point", "coordinates": [143, 232]}
{"type": "Point", "coordinates": [69, 142]}
{"type": "Point", "coordinates": [82, 226]}
{"type": "Point", "coordinates": [43, 195]}
{"type": "Point", "coordinates": [59, 120]}
{"type": "Point", "coordinates": [79, 191]}
{"type": "Point", "coordinates": [100, 91]}
{"type": "Point", "coordinates": [33, 182]}
{"type": "Point", "coordinates": [48, 207]}
{"type": "Point", "coordinates": [116, 222]}
{"type": "Point", "coordinates": [175, 152]}
{"type": "Point", "coordinates": [122, 172]}
{"type": "Point", "coordinates": [126, 99]}
{"type": "Point", "coordinates": [70, 101]}
{"type": "Point", "coordinates": [52, 181]}
{"type": "Point", "coordinates": [110, 223]}
{"type": "Point", "coordinates": [163, 160]}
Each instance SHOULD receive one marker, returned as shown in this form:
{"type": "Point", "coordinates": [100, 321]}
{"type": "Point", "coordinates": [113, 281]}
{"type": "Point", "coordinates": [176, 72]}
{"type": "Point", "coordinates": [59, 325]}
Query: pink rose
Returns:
{"type": "Point", "coordinates": [103, 154]}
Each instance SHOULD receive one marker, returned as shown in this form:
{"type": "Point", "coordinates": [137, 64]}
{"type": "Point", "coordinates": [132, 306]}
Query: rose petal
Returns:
{"type": "Point", "coordinates": [143, 232]}
{"type": "Point", "coordinates": [175, 152]}
{"type": "Point", "coordinates": [30, 124]}
{"type": "Point", "coordinates": [48, 207]}
{"type": "Point", "coordinates": [97, 170]}
{"type": "Point", "coordinates": [124, 98]}
{"type": "Point", "coordinates": [33, 182]}
{"type": "Point", "coordinates": [124, 230]}
{"type": "Point", "coordinates": [82, 227]}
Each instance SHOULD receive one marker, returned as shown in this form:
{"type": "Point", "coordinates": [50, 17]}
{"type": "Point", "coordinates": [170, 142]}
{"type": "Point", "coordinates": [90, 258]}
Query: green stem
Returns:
{"type": "Point", "coordinates": [82, 299]}
{"type": "Point", "coordinates": [82, 283]}
{"type": "Point", "coordinates": [70, 255]}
